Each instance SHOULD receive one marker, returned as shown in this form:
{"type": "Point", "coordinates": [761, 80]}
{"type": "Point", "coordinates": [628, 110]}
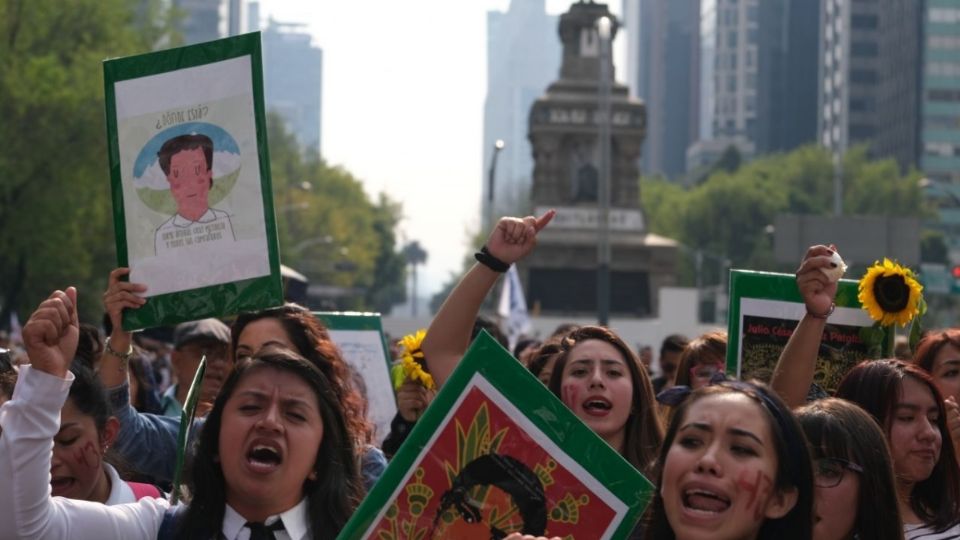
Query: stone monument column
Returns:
{"type": "Point", "coordinates": [561, 274]}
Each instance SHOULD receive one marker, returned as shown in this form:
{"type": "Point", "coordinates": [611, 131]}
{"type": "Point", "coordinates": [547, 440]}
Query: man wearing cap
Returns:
{"type": "Point", "coordinates": [192, 341]}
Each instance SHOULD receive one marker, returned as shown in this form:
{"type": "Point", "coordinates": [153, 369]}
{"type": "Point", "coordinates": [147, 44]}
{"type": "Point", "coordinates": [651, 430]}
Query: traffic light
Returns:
{"type": "Point", "coordinates": [956, 272]}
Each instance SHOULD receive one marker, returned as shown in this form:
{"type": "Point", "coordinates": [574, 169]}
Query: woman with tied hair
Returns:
{"type": "Point", "coordinates": [600, 379]}
{"type": "Point", "coordinates": [853, 475]}
{"type": "Point", "coordinates": [900, 397]}
{"type": "Point", "coordinates": [542, 362]}
{"type": "Point", "coordinates": [148, 442]}
{"type": "Point", "coordinates": [938, 353]}
{"type": "Point", "coordinates": [596, 375]}
{"type": "Point", "coordinates": [275, 454]}
{"type": "Point", "coordinates": [734, 465]}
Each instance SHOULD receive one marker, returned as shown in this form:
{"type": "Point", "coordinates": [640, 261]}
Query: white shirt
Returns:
{"type": "Point", "coordinates": [30, 421]}
{"type": "Point", "coordinates": [213, 227]}
{"type": "Point", "coordinates": [120, 492]}
{"type": "Point", "coordinates": [294, 524]}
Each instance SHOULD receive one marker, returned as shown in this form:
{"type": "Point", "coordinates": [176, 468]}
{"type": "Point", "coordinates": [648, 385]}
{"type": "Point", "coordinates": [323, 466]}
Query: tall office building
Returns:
{"type": "Point", "coordinates": [293, 76]}
{"type": "Point", "coordinates": [523, 57]}
{"type": "Point", "coordinates": [206, 20]}
{"type": "Point", "coordinates": [940, 157]}
{"type": "Point", "coordinates": [664, 66]}
{"type": "Point", "coordinates": [871, 57]}
{"type": "Point", "coordinates": [764, 77]}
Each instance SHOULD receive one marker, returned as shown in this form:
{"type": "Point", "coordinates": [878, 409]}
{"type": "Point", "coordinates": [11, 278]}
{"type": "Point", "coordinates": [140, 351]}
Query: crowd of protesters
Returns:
{"type": "Point", "coordinates": [282, 447]}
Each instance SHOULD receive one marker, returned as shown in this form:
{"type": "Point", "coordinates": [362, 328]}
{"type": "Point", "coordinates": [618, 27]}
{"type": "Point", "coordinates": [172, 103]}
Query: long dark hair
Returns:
{"type": "Point", "coordinates": [794, 468]}
{"type": "Point", "coordinates": [313, 342]}
{"type": "Point", "coordinates": [643, 433]}
{"type": "Point", "coordinates": [876, 386]}
{"type": "Point", "coordinates": [836, 428]}
{"type": "Point", "coordinates": [331, 498]}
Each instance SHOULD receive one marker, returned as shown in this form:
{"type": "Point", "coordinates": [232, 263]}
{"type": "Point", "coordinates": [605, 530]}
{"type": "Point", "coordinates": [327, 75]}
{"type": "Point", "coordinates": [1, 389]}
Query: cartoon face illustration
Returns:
{"type": "Point", "coordinates": [187, 162]}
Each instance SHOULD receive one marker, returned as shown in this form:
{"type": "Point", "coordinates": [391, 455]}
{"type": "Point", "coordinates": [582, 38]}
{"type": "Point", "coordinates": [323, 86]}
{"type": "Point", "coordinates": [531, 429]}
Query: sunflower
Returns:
{"type": "Point", "coordinates": [411, 365]}
{"type": "Point", "coordinates": [890, 293]}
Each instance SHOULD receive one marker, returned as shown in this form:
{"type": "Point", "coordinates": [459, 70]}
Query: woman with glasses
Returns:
{"type": "Point", "coordinates": [855, 492]}
{"type": "Point", "coordinates": [902, 399]}
{"type": "Point", "coordinates": [702, 358]}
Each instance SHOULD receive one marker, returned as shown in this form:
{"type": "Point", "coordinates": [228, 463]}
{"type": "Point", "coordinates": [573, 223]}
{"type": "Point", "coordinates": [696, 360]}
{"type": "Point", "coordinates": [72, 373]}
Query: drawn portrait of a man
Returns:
{"type": "Point", "coordinates": [187, 162]}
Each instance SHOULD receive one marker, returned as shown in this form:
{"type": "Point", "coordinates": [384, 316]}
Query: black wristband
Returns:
{"type": "Point", "coordinates": [485, 258]}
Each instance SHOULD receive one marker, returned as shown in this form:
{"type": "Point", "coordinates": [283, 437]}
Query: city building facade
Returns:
{"type": "Point", "coordinates": [523, 55]}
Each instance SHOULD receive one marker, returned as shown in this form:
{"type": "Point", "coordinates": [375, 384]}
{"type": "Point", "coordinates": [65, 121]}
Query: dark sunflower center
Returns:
{"type": "Point", "coordinates": [892, 293]}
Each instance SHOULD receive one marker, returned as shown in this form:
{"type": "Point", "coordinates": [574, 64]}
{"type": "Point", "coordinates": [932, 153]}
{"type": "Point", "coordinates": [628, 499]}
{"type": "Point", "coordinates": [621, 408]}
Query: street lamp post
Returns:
{"type": "Point", "coordinates": [603, 226]}
{"type": "Point", "coordinates": [491, 177]}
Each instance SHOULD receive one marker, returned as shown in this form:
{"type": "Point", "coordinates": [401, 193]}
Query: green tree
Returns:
{"type": "Point", "coordinates": [55, 209]}
{"type": "Point", "coordinates": [728, 214]}
{"type": "Point", "coordinates": [330, 230]}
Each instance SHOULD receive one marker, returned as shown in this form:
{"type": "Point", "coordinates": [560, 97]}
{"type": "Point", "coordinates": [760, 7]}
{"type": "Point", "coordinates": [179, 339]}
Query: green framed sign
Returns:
{"type": "Point", "coordinates": [360, 338]}
{"type": "Point", "coordinates": [495, 453]}
{"type": "Point", "coordinates": [190, 181]}
{"type": "Point", "coordinates": [764, 310]}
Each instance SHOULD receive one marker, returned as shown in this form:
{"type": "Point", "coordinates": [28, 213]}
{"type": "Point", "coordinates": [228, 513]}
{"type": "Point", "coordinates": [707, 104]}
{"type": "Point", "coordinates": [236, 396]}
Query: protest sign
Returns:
{"type": "Point", "coordinates": [359, 336]}
{"type": "Point", "coordinates": [495, 453]}
{"type": "Point", "coordinates": [190, 177]}
{"type": "Point", "coordinates": [765, 309]}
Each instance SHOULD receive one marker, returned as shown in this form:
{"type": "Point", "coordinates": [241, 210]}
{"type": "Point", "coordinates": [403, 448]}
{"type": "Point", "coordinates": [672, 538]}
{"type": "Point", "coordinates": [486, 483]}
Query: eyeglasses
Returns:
{"type": "Point", "coordinates": [705, 372]}
{"type": "Point", "coordinates": [828, 472]}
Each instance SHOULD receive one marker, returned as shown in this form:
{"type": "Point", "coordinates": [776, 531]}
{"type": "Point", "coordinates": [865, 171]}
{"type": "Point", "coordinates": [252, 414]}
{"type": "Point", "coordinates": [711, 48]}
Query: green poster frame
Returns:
{"type": "Point", "coordinates": [748, 284]}
{"type": "Point", "coordinates": [489, 365]}
{"type": "Point", "coordinates": [222, 299]}
{"type": "Point", "coordinates": [365, 321]}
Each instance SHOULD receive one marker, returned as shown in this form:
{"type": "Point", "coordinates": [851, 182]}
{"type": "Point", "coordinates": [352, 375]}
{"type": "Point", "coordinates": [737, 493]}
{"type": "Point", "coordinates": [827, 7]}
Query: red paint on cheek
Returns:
{"type": "Point", "coordinates": [759, 489]}
{"type": "Point", "coordinates": [569, 393]}
{"type": "Point", "coordinates": [87, 456]}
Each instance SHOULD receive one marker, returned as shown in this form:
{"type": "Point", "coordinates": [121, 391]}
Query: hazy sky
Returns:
{"type": "Point", "coordinates": [403, 91]}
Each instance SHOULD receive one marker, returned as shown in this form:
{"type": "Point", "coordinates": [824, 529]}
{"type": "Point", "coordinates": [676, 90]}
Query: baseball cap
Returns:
{"type": "Point", "coordinates": [211, 329]}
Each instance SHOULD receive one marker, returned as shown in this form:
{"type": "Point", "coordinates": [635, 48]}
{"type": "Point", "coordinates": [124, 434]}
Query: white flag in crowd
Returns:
{"type": "Point", "coordinates": [513, 307]}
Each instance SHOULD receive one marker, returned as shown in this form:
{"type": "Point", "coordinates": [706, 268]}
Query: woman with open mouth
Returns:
{"type": "Point", "coordinates": [600, 379]}
{"type": "Point", "coordinates": [275, 453]}
{"type": "Point", "coordinates": [81, 468]}
{"type": "Point", "coordinates": [595, 373]}
{"type": "Point", "coordinates": [734, 465]}
{"type": "Point", "coordinates": [148, 442]}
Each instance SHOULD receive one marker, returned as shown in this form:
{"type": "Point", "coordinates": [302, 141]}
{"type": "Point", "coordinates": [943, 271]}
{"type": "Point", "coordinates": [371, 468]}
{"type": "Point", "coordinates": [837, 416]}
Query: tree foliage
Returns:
{"type": "Point", "coordinates": [55, 210]}
{"type": "Point", "coordinates": [329, 228]}
{"type": "Point", "coordinates": [728, 214]}
{"type": "Point", "coordinates": [55, 204]}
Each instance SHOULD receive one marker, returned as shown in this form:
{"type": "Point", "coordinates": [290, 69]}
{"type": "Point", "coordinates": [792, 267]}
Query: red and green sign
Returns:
{"type": "Point", "coordinates": [497, 453]}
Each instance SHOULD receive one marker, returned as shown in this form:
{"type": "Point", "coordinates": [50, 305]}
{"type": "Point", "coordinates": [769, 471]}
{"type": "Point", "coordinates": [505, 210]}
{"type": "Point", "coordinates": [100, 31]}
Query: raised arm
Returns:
{"type": "Point", "coordinates": [29, 422]}
{"type": "Point", "coordinates": [120, 295]}
{"type": "Point", "coordinates": [794, 371]}
{"type": "Point", "coordinates": [148, 443]}
{"type": "Point", "coordinates": [449, 334]}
